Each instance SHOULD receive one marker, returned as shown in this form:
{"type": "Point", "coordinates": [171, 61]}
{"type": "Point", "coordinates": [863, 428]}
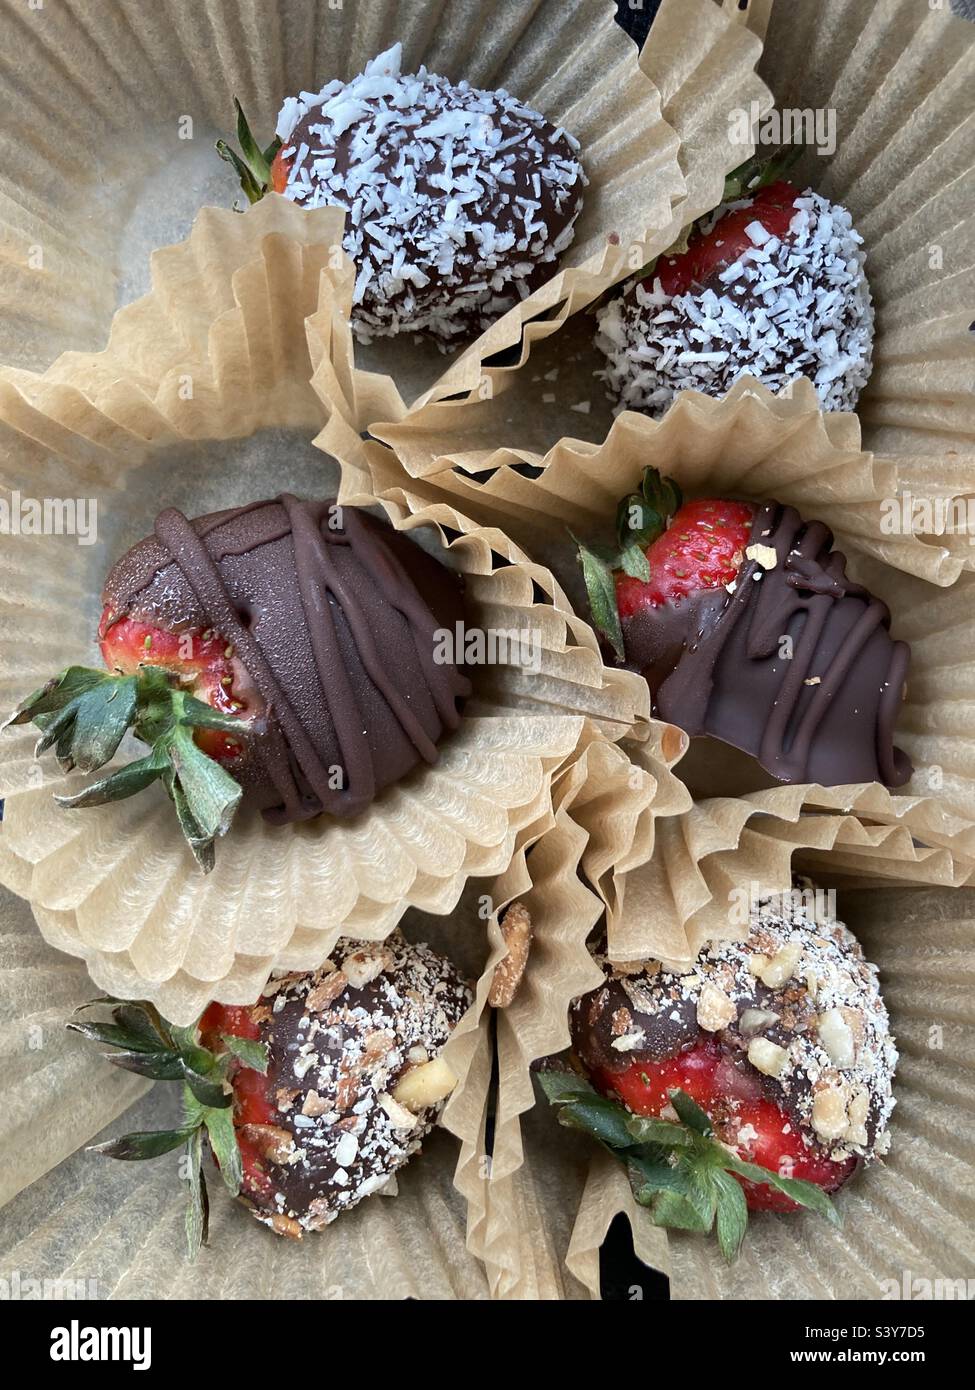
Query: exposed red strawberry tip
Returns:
{"type": "Point", "coordinates": [203, 660]}
{"type": "Point", "coordinates": [703, 548]}
{"type": "Point", "coordinates": [708, 254]}
{"type": "Point", "coordinates": [728, 1090]}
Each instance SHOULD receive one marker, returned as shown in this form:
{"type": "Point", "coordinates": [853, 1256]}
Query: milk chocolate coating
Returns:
{"type": "Point", "coordinates": [335, 625]}
{"type": "Point", "coordinates": [715, 665]}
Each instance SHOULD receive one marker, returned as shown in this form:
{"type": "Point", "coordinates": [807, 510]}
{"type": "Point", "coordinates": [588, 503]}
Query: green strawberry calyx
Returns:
{"type": "Point", "coordinates": [641, 518]}
{"type": "Point", "coordinates": [683, 1175]}
{"type": "Point", "coordinates": [251, 163]}
{"type": "Point", "coordinates": [145, 1043]}
{"type": "Point", "coordinates": [83, 714]}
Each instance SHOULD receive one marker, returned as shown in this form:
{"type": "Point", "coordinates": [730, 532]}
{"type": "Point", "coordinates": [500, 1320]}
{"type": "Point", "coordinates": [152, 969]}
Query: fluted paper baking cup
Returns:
{"type": "Point", "coordinates": [604, 815]}
{"type": "Point", "coordinates": [120, 1227]}
{"type": "Point", "coordinates": [114, 884]}
{"type": "Point", "coordinates": [152, 87]}
{"type": "Point", "coordinates": [119, 1234]}
{"type": "Point", "coordinates": [57, 1092]}
{"type": "Point", "coordinates": [700, 863]}
{"type": "Point", "coordinates": [749, 443]}
{"type": "Point", "coordinates": [907, 1218]}
{"type": "Point", "coordinates": [897, 79]}
{"type": "Point", "coordinates": [888, 84]}
{"type": "Point", "coordinates": [702, 58]}
{"type": "Point", "coordinates": [755, 445]}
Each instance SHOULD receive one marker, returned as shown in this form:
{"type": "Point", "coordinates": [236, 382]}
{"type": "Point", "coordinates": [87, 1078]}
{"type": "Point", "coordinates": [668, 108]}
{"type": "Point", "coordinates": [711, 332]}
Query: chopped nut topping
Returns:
{"type": "Point", "coordinates": [756, 1021]}
{"type": "Point", "coordinates": [347, 1090]}
{"type": "Point", "coordinates": [829, 1118]}
{"type": "Point", "coordinates": [782, 966]}
{"type": "Point", "coordinates": [837, 1038]}
{"type": "Point", "coordinates": [425, 1085]}
{"type": "Point", "coordinates": [764, 555]}
{"type": "Point", "coordinates": [314, 1104]}
{"type": "Point", "coordinates": [634, 967]}
{"type": "Point", "coordinates": [285, 1226]}
{"type": "Point", "coordinates": [714, 1009]}
{"type": "Point", "coordinates": [366, 965]}
{"type": "Point", "coordinates": [766, 1056]}
{"type": "Point", "coordinates": [326, 991]}
{"type": "Point", "coordinates": [516, 928]}
{"type": "Point", "coordinates": [399, 1116]}
{"type": "Point", "coordinates": [271, 1142]}
{"type": "Point", "coordinates": [621, 1022]}
{"type": "Point", "coordinates": [856, 1132]}
{"type": "Point", "coordinates": [377, 1045]}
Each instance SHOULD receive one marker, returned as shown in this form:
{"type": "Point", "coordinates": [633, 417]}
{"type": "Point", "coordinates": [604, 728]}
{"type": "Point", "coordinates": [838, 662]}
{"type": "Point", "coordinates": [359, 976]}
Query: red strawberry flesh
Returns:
{"type": "Point", "coordinates": [203, 661]}
{"type": "Point", "coordinates": [703, 548]}
{"type": "Point", "coordinates": [707, 255]}
{"type": "Point", "coordinates": [252, 1103]}
{"type": "Point", "coordinates": [280, 171]}
{"type": "Point", "coordinates": [729, 1091]}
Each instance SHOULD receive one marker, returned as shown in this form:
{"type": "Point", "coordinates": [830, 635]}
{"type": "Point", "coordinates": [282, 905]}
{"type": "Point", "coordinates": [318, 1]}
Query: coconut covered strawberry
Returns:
{"type": "Point", "coordinates": [760, 1080]}
{"type": "Point", "coordinates": [313, 1097]}
{"type": "Point", "coordinates": [772, 284]}
{"type": "Point", "coordinates": [282, 652]}
{"type": "Point", "coordinates": [460, 201]}
{"type": "Point", "coordinates": [745, 625]}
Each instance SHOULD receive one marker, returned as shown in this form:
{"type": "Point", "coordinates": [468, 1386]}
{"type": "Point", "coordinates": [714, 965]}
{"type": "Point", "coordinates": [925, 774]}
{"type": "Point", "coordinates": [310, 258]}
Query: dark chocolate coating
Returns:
{"type": "Point", "coordinates": [645, 1014]}
{"type": "Point", "coordinates": [471, 191]}
{"type": "Point", "coordinates": [333, 1064]}
{"type": "Point", "coordinates": [827, 713]}
{"type": "Point", "coordinates": [333, 615]}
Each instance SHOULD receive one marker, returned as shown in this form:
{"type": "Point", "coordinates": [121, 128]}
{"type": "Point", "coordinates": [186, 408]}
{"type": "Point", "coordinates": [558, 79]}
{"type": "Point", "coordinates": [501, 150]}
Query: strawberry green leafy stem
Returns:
{"type": "Point", "coordinates": [253, 165]}
{"type": "Point", "coordinates": [146, 1044]}
{"type": "Point", "coordinates": [678, 1170]}
{"type": "Point", "coordinates": [84, 714]}
{"type": "Point", "coordinates": [641, 518]}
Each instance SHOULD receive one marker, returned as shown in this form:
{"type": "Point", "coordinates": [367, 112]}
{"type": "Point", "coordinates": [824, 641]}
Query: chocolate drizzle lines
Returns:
{"type": "Point", "coordinates": [847, 661]}
{"type": "Point", "coordinates": [290, 751]}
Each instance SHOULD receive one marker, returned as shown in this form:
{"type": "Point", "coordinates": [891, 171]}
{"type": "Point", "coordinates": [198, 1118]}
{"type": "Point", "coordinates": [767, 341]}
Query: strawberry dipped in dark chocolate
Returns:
{"type": "Point", "coordinates": [354, 1079]}
{"type": "Point", "coordinates": [460, 201]}
{"type": "Point", "coordinates": [777, 1047]}
{"type": "Point", "coordinates": [309, 1099]}
{"type": "Point", "coordinates": [746, 627]}
{"type": "Point", "coordinates": [283, 652]}
{"type": "Point", "coordinates": [771, 285]}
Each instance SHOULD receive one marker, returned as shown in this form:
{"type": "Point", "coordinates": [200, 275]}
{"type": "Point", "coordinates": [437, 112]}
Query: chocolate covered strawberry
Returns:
{"type": "Point", "coordinates": [772, 284]}
{"type": "Point", "coordinates": [311, 1098]}
{"type": "Point", "coordinates": [742, 620]}
{"type": "Point", "coordinates": [282, 652]}
{"type": "Point", "coordinates": [759, 1130]}
{"type": "Point", "coordinates": [459, 200]}
{"type": "Point", "coordinates": [760, 1080]}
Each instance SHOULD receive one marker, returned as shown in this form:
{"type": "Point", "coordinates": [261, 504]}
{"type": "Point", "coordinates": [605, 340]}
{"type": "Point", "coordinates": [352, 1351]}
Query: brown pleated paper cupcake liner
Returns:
{"type": "Point", "coordinates": [77, 225]}
{"type": "Point", "coordinates": [907, 1218]}
{"type": "Point", "coordinates": [909, 1212]}
{"type": "Point", "coordinates": [702, 58]}
{"type": "Point", "coordinates": [115, 885]}
{"type": "Point", "coordinates": [120, 1227]}
{"type": "Point", "coordinates": [895, 77]}
{"type": "Point", "coordinates": [754, 445]}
